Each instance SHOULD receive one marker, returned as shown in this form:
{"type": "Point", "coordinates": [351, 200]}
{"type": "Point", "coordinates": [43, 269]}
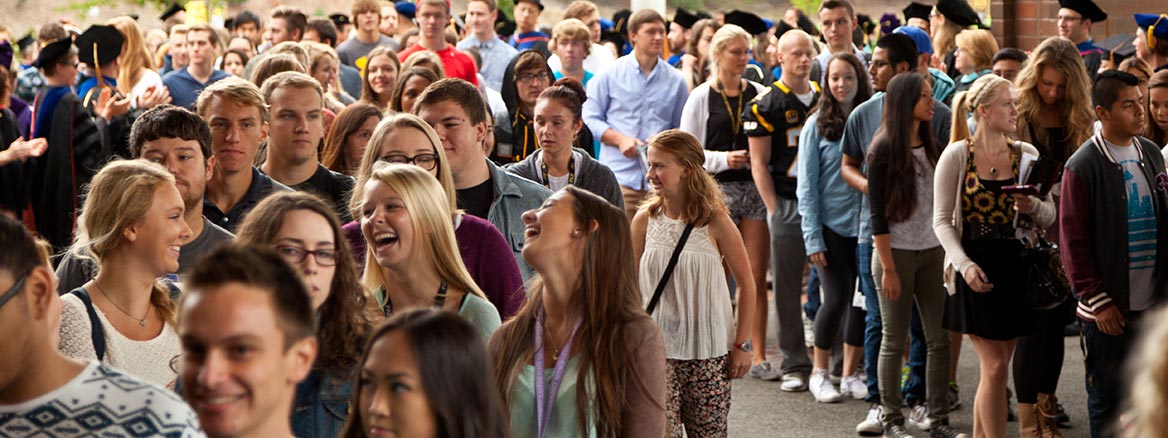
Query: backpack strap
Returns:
{"type": "Point", "coordinates": [95, 329]}
{"type": "Point", "coordinates": [669, 269]}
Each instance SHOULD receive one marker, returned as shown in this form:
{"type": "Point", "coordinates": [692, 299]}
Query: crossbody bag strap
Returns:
{"type": "Point", "coordinates": [95, 330]}
{"type": "Point", "coordinates": [669, 269]}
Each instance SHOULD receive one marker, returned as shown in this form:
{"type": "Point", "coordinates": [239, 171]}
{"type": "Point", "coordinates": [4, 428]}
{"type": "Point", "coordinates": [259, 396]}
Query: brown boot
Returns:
{"type": "Point", "coordinates": [1046, 409]}
{"type": "Point", "coordinates": [1028, 426]}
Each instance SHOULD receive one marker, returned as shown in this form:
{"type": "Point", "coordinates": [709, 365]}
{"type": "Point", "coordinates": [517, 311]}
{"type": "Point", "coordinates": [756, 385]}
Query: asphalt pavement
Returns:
{"type": "Point", "coordinates": [760, 409]}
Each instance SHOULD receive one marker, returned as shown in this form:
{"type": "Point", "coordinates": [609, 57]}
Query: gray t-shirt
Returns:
{"type": "Point", "coordinates": [353, 49]}
{"type": "Point", "coordinates": [73, 271]}
{"type": "Point", "coordinates": [916, 233]}
{"type": "Point", "coordinates": [1141, 227]}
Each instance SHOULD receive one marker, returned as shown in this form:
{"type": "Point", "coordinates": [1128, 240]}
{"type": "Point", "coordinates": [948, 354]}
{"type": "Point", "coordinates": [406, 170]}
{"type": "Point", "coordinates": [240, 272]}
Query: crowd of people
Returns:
{"type": "Point", "coordinates": [401, 221]}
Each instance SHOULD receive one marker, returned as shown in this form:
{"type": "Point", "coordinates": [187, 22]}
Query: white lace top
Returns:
{"type": "Point", "coordinates": [148, 360]}
{"type": "Point", "coordinates": [694, 313]}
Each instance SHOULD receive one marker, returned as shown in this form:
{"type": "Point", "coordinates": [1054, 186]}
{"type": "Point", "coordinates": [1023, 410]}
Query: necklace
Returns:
{"type": "Point", "coordinates": [141, 321]}
{"type": "Point", "coordinates": [993, 166]}
{"type": "Point", "coordinates": [555, 349]}
{"type": "Point", "coordinates": [735, 116]}
{"type": "Point", "coordinates": [439, 299]}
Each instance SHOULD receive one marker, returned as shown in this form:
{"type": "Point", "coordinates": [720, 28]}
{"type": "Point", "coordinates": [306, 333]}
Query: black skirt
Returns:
{"type": "Point", "coordinates": [1002, 313]}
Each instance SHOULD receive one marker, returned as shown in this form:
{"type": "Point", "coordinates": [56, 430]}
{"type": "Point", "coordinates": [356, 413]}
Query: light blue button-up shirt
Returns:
{"type": "Point", "coordinates": [824, 198]}
{"type": "Point", "coordinates": [496, 54]}
{"type": "Point", "coordinates": [625, 99]}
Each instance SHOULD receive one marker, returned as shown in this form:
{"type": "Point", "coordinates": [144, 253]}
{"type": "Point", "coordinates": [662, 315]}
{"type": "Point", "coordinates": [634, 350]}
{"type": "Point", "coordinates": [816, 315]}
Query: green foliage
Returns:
{"type": "Point", "coordinates": [808, 6]}
{"type": "Point", "coordinates": [508, 7]}
{"type": "Point", "coordinates": [693, 5]}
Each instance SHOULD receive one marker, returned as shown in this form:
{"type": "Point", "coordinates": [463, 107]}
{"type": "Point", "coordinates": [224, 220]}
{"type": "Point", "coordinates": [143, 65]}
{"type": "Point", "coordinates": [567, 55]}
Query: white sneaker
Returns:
{"type": "Point", "coordinates": [872, 424]}
{"type": "Point", "coordinates": [918, 417]}
{"type": "Point", "coordinates": [793, 382]}
{"type": "Point", "coordinates": [854, 387]}
{"type": "Point", "coordinates": [822, 388]}
{"type": "Point", "coordinates": [764, 371]}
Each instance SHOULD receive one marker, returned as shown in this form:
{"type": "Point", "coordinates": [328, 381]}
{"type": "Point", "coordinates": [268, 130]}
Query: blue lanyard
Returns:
{"type": "Point", "coordinates": [544, 403]}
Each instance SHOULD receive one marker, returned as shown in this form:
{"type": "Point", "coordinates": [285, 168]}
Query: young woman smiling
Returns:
{"type": "Point", "coordinates": [132, 224]}
{"type": "Point", "coordinates": [381, 71]}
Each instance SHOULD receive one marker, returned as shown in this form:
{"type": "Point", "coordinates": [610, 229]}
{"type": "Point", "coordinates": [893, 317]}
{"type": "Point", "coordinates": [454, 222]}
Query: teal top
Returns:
{"type": "Point", "coordinates": [564, 421]}
{"type": "Point", "coordinates": [481, 313]}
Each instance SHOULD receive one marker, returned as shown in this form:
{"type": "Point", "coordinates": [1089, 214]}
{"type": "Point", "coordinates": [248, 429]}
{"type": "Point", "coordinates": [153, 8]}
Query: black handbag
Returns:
{"type": "Point", "coordinates": [1046, 284]}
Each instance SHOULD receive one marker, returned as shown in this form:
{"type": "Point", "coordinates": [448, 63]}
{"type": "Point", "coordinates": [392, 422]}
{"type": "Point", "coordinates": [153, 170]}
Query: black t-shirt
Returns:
{"type": "Point", "coordinates": [720, 136]}
{"type": "Point", "coordinates": [477, 200]}
{"type": "Point", "coordinates": [333, 187]}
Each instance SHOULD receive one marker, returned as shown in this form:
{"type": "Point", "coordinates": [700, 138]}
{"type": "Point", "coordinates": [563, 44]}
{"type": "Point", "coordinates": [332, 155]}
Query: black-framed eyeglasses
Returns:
{"type": "Point", "coordinates": [296, 254]}
{"type": "Point", "coordinates": [531, 77]}
{"type": "Point", "coordinates": [15, 289]}
{"type": "Point", "coordinates": [425, 161]}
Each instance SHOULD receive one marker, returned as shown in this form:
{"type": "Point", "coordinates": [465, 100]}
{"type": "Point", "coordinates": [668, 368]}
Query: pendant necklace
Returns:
{"type": "Point", "coordinates": [141, 321]}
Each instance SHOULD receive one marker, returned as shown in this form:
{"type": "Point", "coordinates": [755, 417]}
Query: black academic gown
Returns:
{"type": "Point", "coordinates": [14, 177]}
{"type": "Point", "coordinates": [77, 141]}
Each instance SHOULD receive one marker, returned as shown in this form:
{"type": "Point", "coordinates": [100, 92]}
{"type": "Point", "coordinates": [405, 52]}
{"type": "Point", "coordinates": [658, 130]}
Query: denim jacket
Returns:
{"type": "Point", "coordinates": [322, 405]}
{"type": "Point", "coordinates": [514, 195]}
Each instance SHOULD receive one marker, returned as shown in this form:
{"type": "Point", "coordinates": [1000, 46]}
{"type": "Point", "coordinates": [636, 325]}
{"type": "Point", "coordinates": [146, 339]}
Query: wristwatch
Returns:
{"type": "Point", "coordinates": [744, 346]}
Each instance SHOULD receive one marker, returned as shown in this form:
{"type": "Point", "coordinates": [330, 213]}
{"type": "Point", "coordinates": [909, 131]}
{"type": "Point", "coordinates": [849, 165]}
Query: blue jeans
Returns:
{"type": "Point", "coordinates": [1103, 357]}
{"type": "Point", "coordinates": [811, 307]}
{"type": "Point", "coordinates": [873, 330]}
{"type": "Point", "coordinates": [914, 387]}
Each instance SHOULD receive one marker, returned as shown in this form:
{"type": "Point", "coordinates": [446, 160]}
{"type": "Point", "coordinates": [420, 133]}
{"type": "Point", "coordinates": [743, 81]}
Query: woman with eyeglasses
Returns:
{"type": "Point", "coordinates": [413, 255]}
{"type": "Point", "coordinates": [561, 159]}
{"type": "Point", "coordinates": [407, 139]}
{"type": "Point", "coordinates": [304, 230]}
{"type": "Point", "coordinates": [524, 79]}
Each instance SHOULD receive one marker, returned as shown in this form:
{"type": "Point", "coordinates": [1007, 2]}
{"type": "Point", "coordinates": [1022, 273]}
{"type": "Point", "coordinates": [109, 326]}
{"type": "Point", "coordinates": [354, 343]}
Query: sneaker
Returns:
{"type": "Point", "coordinates": [944, 431]}
{"type": "Point", "coordinates": [872, 424]}
{"type": "Point", "coordinates": [793, 382]}
{"type": "Point", "coordinates": [822, 388]}
{"type": "Point", "coordinates": [918, 417]}
{"type": "Point", "coordinates": [954, 397]}
{"type": "Point", "coordinates": [764, 371]}
{"type": "Point", "coordinates": [896, 431]}
{"type": "Point", "coordinates": [854, 387]}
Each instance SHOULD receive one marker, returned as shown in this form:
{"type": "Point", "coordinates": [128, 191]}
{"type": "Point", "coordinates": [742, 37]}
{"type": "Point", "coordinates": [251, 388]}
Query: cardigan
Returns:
{"type": "Point", "coordinates": [693, 120]}
{"type": "Point", "coordinates": [947, 218]}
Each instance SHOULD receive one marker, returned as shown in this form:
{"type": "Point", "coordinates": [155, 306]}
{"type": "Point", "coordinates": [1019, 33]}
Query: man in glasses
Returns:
{"type": "Point", "coordinates": [238, 116]}
{"type": "Point", "coordinates": [297, 127]}
{"type": "Point", "coordinates": [457, 112]}
{"type": "Point", "coordinates": [432, 18]}
{"type": "Point", "coordinates": [180, 141]}
{"type": "Point", "coordinates": [1075, 18]}
{"type": "Point", "coordinates": [45, 393]}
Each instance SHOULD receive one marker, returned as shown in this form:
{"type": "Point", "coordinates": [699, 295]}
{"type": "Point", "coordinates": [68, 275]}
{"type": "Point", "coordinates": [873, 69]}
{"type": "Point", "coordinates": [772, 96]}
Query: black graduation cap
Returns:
{"type": "Point", "coordinates": [917, 10]}
{"type": "Point", "coordinates": [52, 52]}
{"type": "Point", "coordinates": [134, 16]}
{"type": "Point", "coordinates": [170, 11]}
{"type": "Point", "coordinates": [621, 21]}
{"type": "Point", "coordinates": [537, 3]}
{"type": "Point", "coordinates": [229, 24]}
{"type": "Point", "coordinates": [749, 22]}
{"type": "Point", "coordinates": [865, 22]}
{"type": "Point", "coordinates": [504, 25]}
{"type": "Point", "coordinates": [1119, 46]}
{"type": "Point", "coordinates": [102, 42]}
{"type": "Point", "coordinates": [340, 19]}
{"type": "Point", "coordinates": [685, 18]}
{"type": "Point", "coordinates": [25, 42]}
{"type": "Point", "coordinates": [959, 11]}
{"type": "Point", "coordinates": [1087, 8]}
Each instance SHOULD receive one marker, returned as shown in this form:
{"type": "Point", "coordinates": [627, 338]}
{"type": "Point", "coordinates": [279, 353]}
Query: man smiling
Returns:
{"type": "Point", "coordinates": [246, 328]}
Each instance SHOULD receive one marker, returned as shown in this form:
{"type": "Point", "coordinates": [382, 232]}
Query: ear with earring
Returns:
{"type": "Point", "coordinates": [576, 233]}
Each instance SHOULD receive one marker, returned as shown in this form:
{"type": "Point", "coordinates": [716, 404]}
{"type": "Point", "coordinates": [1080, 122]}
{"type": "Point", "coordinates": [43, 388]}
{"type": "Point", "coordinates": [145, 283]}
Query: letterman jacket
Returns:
{"type": "Point", "coordinates": [1093, 225]}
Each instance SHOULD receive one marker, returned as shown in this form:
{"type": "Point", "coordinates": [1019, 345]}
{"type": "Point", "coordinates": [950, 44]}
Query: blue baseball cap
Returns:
{"type": "Point", "coordinates": [918, 35]}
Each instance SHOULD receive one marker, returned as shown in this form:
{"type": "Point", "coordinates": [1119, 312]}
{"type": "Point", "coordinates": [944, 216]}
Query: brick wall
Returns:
{"type": "Point", "coordinates": [1025, 23]}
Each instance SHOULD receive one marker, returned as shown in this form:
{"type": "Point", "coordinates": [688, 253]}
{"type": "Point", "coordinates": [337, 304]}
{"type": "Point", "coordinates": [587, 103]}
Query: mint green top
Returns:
{"type": "Point", "coordinates": [481, 314]}
{"type": "Point", "coordinates": [563, 422]}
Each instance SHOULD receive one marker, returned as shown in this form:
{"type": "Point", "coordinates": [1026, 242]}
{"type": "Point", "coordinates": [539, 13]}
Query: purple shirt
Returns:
{"type": "Point", "coordinates": [487, 257]}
